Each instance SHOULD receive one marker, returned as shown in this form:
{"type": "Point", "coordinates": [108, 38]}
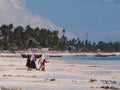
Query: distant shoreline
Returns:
{"type": "Point", "coordinates": [56, 53]}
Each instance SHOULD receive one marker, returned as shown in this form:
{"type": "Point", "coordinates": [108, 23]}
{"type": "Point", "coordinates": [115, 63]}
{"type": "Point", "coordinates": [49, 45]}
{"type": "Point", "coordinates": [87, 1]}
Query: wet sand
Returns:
{"type": "Point", "coordinates": [59, 75]}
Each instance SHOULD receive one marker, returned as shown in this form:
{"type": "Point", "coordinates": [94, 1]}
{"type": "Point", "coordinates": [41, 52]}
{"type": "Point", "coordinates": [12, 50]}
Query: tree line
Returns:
{"type": "Point", "coordinates": [22, 38]}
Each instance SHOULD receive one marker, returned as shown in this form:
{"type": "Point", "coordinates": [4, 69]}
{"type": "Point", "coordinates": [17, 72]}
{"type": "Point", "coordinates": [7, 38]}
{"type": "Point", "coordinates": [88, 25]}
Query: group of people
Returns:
{"type": "Point", "coordinates": [31, 62]}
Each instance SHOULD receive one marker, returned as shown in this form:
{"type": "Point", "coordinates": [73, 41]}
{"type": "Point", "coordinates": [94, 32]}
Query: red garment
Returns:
{"type": "Point", "coordinates": [44, 61]}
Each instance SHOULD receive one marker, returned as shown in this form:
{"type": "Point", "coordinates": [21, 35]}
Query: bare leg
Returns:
{"type": "Point", "coordinates": [43, 68]}
{"type": "Point", "coordinates": [40, 67]}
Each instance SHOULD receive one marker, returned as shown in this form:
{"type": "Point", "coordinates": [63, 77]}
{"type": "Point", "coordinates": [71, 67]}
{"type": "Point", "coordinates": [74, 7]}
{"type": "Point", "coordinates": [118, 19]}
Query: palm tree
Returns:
{"type": "Point", "coordinates": [19, 37]}
{"type": "Point", "coordinates": [6, 31]}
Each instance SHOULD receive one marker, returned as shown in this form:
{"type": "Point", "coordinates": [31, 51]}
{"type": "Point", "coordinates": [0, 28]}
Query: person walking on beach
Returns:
{"type": "Point", "coordinates": [33, 59]}
{"type": "Point", "coordinates": [42, 63]}
{"type": "Point", "coordinates": [28, 63]}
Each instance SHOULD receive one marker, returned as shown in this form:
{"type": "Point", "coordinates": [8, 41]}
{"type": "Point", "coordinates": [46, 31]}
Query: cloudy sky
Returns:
{"type": "Point", "coordinates": [99, 18]}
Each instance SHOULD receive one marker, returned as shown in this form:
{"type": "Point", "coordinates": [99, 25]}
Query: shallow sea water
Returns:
{"type": "Point", "coordinates": [111, 61]}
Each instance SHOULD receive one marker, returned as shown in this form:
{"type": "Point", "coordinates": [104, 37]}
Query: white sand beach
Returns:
{"type": "Point", "coordinates": [59, 75]}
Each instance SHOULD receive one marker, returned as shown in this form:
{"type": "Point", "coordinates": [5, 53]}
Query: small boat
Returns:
{"type": "Point", "coordinates": [55, 55]}
{"type": "Point", "coordinates": [79, 55]}
{"type": "Point", "coordinates": [26, 55]}
{"type": "Point", "coordinates": [101, 55]}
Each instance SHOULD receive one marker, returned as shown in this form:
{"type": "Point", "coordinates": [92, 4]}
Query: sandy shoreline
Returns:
{"type": "Point", "coordinates": [56, 53]}
{"type": "Point", "coordinates": [59, 75]}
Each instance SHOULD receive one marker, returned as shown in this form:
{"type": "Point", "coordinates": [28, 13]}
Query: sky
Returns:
{"type": "Point", "coordinates": [100, 19]}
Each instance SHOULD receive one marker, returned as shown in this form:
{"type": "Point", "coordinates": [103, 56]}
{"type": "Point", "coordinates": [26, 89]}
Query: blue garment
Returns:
{"type": "Point", "coordinates": [33, 65]}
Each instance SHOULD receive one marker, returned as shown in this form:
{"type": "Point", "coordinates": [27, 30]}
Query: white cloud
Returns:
{"type": "Point", "coordinates": [14, 11]}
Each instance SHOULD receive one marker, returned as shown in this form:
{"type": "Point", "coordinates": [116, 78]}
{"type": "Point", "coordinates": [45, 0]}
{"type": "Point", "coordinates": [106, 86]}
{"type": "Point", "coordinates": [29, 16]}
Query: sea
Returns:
{"type": "Point", "coordinates": [111, 61]}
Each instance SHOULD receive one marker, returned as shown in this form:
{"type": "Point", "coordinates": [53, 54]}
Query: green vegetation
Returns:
{"type": "Point", "coordinates": [19, 38]}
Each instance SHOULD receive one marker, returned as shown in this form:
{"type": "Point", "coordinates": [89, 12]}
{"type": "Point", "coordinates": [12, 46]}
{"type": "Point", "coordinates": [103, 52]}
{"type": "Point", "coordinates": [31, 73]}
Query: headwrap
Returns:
{"type": "Point", "coordinates": [32, 56]}
{"type": "Point", "coordinates": [43, 57]}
